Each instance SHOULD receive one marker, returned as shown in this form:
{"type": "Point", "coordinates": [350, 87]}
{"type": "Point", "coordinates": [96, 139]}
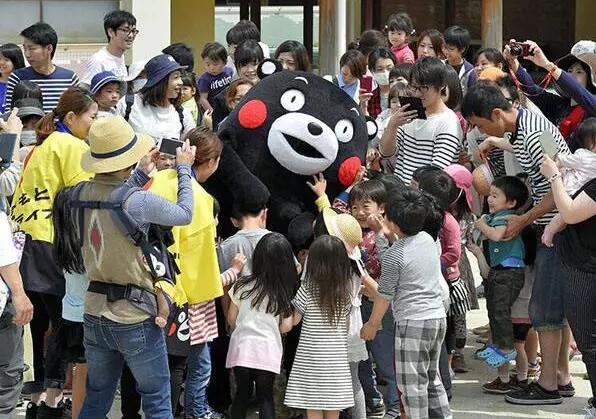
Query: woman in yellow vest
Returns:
{"type": "Point", "coordinates": [55, 162]}
{"type": "Point", "coordinates": [199, 282]}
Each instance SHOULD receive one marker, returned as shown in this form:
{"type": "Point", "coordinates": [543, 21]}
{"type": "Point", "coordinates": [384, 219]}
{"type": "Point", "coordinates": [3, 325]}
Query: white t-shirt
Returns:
{"type": "Point", "coordinates": [157, 122]}
{"type": "Point", "coordinates": [256, 340]}
{"type": "Point", "coordinates": [102, 60]}
{"type": "Point", "coordinates": [8, 253]}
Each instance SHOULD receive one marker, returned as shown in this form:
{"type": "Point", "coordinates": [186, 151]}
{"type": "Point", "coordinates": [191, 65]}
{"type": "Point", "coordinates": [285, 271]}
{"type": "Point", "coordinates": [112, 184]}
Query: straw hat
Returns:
{"type": "Point", "coordinates": [113, 146]}
{"type": "Point", "coordinates": [346, 228]}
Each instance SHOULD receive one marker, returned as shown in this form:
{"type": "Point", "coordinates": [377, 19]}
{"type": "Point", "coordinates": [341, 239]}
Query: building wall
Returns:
{"type": "Point", "coordinates": [552, 24]}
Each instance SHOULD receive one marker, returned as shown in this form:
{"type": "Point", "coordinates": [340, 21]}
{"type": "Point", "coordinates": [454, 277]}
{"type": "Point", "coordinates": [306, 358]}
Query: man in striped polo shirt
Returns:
{"type": "Point", "coordinates": [486, 107]}
{"type": "Point", "coordinates": [39, 45]}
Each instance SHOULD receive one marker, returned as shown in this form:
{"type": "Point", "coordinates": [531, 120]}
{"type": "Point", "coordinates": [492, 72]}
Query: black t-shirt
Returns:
{"type": "Point", "coordinates": [577, 244]}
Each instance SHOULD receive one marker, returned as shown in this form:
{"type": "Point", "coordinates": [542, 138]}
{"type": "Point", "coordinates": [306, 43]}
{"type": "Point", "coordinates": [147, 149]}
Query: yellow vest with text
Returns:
{"type": "Point", "coordinates": [48, 167]}
{"type": "Point", "coordinates": [194, 246]}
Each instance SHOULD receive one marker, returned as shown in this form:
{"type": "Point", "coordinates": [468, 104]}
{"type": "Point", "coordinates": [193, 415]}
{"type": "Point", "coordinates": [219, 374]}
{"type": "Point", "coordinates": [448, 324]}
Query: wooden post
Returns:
{"type": "Point", "coordinates": [367, 14]}
{"type": "Point", "coordinates": [255, 12]}
{"type": "Point", "coordinates": [244, 10]}
{"type": "Point", "coordinates": [307, 26]}
{"type": "Point", "coordinates": [492, 24]}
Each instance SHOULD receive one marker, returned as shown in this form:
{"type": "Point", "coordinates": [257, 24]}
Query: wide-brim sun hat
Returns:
{"type": "Point", "coordinates": [113, 146]}
{"type": "Point", "coordinates": [491, 74]}
{"type": "Point", "coordinates": [463, 179]}
{"type": "Point", "coordinates": [483, 178]}
{"type": "Point", "coordinates": [347, 229]}
{"type": "Point", "coordinates": [586, 51]}
{"type": "Point", "coordinates": [160, 67]}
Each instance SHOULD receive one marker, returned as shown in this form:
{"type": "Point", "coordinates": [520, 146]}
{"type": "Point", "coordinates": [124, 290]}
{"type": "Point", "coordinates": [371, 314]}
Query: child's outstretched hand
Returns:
{"type": "Point", "coordinates": [238, 263]}
{"type": "Point", "coordinates": [360, 175]}
{"type": "Point", "coordinates": [375, 223]}
{"type": "Point", "coordinates": [368, 331]}
{"type": "Point", "coordinates": [319, 186]}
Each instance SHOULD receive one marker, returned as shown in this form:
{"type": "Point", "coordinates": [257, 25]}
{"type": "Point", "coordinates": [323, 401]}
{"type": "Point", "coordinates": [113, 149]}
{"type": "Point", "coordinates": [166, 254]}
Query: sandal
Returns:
{"type": "Point", "coordinates": [498, 358]}
{"type": "Point", "coordinates": [486, 352]}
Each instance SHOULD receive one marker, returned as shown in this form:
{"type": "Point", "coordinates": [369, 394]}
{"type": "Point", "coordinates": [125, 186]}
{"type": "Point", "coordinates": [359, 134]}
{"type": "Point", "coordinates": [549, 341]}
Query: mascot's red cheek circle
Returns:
{"type": "Point", "coordinates": [348, 170]}
{"type": "Point", "coordinates": [253, 114]}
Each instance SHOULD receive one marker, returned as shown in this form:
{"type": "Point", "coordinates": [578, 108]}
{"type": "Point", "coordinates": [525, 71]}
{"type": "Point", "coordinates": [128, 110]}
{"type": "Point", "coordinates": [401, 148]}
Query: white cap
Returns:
{"type": "Point", "coordinates": [135, 69]}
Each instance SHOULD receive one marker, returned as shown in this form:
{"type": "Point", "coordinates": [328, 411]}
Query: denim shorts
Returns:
{"type": "Point", "coordinates": [547, 310]}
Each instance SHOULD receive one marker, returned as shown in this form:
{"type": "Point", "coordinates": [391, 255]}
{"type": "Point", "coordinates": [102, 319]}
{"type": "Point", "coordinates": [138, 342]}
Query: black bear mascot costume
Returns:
{"type": "Point", "coordinates": [288, 127]}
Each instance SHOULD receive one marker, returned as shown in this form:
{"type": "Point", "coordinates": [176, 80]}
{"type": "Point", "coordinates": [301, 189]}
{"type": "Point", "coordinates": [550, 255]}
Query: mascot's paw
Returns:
{"type": "Point", "coordinates": [300, 231]}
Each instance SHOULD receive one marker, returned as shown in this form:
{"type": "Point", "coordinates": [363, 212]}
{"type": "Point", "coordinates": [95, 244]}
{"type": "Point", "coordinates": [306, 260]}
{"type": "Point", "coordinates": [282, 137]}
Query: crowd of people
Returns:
{"type": "Point", "coordinates": [109, 248]}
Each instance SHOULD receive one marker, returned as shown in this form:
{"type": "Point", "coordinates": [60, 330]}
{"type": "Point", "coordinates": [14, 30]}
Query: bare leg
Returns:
{"type": "Point", "coordinates": [314, 414]}
{"type": "Point", "coordinates": [53, 396]}
{"type": "Point", "coordinates": [331, 414]}
{"type": "Point", "coordinates": [521, 362]}
{"type": "Point", "coordinates": [563, 366]}
{"type": "Point", "coordinates": [550, 346]}
{"type": "Point", "coordinates": [532, 345]}
{"type": "Point", "coordinates": [79, 378]}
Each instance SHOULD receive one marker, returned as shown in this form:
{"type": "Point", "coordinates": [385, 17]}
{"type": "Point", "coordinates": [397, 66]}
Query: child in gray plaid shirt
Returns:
{"type": "Point", "coordinates": [410, 282]}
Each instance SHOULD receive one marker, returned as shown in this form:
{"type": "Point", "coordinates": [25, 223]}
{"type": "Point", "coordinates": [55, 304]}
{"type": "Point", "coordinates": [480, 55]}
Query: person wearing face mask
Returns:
{"type": "Point", "coordinates": [380, 62]}
{"type": "Point", "coordinates": [156, 110]}
{"type": "Point", "coordinates": [30, 112]}
{"type": "Point", "coordinates": [572, 77]}
{"type": "Point", "coordinates": [54, 163]}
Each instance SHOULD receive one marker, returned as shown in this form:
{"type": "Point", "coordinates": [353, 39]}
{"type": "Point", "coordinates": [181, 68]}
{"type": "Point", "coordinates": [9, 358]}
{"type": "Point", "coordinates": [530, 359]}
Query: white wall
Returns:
{"type": "Point", "coordinates": [153, 22]}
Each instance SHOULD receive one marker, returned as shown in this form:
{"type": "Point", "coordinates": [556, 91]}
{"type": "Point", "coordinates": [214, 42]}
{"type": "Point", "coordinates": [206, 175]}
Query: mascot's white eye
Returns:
{"type": "Point", "coordinates": [292, 100]}
{"type": "Point", "coordinates": [344, 130]}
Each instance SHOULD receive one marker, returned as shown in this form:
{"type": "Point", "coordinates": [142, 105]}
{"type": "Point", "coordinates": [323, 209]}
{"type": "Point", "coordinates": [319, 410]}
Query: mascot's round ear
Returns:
{"type": "Point", "coordinates": [371, 128]}
{"type": "Point", "coordinates": [268, 67]}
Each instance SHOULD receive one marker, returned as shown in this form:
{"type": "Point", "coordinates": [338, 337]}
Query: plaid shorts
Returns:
{"type": "Point", "coordinates": [417, 349]}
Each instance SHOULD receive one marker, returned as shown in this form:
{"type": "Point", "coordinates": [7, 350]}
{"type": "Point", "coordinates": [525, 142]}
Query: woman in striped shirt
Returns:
{"type": "Point", "coordinates": [412, 143]}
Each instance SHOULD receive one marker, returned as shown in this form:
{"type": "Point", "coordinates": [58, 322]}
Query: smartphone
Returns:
{"type": "Point", "coordinates": [366, 83]}
{"type": "Point", "coordinates": [7, 147]}
{"type": "Point", "coordinates": [415, 104]}
{"type": "Point", "coordinates": [169, 146]}
{"type": "Point", "coordinates": [549, 144]}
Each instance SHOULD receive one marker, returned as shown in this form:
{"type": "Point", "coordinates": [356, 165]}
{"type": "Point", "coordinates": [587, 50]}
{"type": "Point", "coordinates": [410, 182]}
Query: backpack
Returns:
{"type": "Point", "coordinates": [130, 100]}
{"type": "Point", "coordinates": [153, 244]}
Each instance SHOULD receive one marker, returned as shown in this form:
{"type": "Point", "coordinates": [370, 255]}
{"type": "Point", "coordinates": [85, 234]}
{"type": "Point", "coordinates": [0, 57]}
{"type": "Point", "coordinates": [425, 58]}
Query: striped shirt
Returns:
{"type": "Point", "coordinates": [529, 153]}
{"type": "Point", "coordinates": [51, 85]}
{"type": "Point", "coordinates": [202, 317]}
{"type": "Point", "coordinates": [435, 141]}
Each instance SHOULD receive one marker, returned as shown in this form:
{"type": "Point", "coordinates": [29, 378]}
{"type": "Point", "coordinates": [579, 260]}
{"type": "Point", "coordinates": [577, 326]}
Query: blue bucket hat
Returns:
{"type": "Point", "coordinates": [159, 67]}
{"type": "Point", "coordinates": [101, 79]}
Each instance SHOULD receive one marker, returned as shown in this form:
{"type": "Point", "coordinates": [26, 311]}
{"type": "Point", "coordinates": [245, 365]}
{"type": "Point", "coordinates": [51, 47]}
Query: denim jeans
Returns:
{"type": "Point", "coordinates": [143, 347]}
{"type": "Point", "coordinates": [197, 379]}
{"type": "Point", "coordinates": [381, 349]}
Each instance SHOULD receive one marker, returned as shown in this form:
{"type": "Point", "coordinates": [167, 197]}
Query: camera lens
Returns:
{"type": "Point", "coordinates": [515, 49]}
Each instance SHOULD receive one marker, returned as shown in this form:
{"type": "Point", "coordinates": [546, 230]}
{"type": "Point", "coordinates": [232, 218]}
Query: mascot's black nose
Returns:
{"type": "Point", "coordinates": [314, 128]}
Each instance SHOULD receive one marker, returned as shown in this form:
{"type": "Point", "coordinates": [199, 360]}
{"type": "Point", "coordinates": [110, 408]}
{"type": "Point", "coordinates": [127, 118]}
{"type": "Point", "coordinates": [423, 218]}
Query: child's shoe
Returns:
{"type": "Point", "coordinates": [459, 364]}
{"type": "Point", "coordinates": [497, 386]}
{"type": "Point", "coordinates": [486, 352]}
{"type": "Point", "coordinates": [498, 358]}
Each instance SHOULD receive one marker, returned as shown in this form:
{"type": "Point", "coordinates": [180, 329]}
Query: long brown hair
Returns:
{"type": "Point", "coordinates": [157, 94]}
{"type": "Point", "coordinates": [207, 142]}
{"type": "Point", "coordinates": [74, 99]}
{"type": "Point", "coordinates": [329, 272]}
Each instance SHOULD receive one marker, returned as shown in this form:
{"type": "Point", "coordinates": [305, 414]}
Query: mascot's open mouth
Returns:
{"type": "Point", "coordinates": [302, 147]}
{"type": "Point", "coordinates": [302, 143]}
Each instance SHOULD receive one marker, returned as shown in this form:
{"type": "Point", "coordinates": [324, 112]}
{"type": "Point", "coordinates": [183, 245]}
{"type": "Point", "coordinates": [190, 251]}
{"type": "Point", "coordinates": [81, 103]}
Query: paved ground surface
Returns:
{"type": "Point", "coordinates": [469, 402]}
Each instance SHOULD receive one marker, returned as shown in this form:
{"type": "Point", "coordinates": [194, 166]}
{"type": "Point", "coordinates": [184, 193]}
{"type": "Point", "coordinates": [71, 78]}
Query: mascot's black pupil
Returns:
{"type": "Point", "coordinates": [302, 147]}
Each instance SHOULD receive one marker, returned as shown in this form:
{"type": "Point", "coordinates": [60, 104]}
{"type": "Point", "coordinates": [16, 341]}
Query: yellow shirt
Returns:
{"type": "Point", "coordinates": [194, 246]}
{"type": "Point", "coordinates": [49, 167]}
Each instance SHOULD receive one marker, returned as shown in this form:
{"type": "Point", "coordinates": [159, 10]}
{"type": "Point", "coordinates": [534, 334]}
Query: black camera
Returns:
{"type": "Point", "coordinates": [520, 49]}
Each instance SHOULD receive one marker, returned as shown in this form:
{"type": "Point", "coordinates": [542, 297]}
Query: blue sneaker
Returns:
{"type": "Point", "coordinates": [499, 358]}
{"type": "Point", "coordinates": [486, 352]}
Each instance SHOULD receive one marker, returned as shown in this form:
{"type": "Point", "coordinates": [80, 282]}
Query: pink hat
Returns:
{"type": "Point", "coordinates": [463, 180]}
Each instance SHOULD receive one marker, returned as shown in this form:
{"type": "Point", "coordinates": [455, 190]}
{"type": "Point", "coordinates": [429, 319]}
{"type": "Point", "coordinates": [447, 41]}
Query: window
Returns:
{"type": "Point", "coordinates": [75, 21]}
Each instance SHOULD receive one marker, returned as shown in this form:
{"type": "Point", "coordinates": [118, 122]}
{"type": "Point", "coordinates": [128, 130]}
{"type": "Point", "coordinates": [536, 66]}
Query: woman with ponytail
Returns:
{"type": "Point", "coordinates": [55, 162]}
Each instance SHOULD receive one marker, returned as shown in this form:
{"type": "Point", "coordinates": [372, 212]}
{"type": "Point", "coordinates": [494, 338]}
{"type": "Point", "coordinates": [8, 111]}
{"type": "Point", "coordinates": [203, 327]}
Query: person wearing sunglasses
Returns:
{"type": "Point", "coordinates": [121, 31]}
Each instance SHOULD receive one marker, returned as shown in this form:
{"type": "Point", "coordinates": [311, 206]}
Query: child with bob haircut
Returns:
{"type": "Point", "coordinates": [399, 28]}
{"type": "Point", "coordinates": [410, 283]}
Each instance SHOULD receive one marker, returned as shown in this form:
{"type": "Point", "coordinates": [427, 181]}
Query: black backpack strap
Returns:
{"type": "Point", "coordinates": [180, 111]}
{"type": "Point", "coordinates": [129, 100]}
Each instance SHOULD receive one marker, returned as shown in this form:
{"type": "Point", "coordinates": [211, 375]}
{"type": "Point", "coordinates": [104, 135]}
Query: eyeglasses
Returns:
{"type": "Point", "coordinates": [129, 31]}
{"type": "Point", "coordinates": [423, 88]}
